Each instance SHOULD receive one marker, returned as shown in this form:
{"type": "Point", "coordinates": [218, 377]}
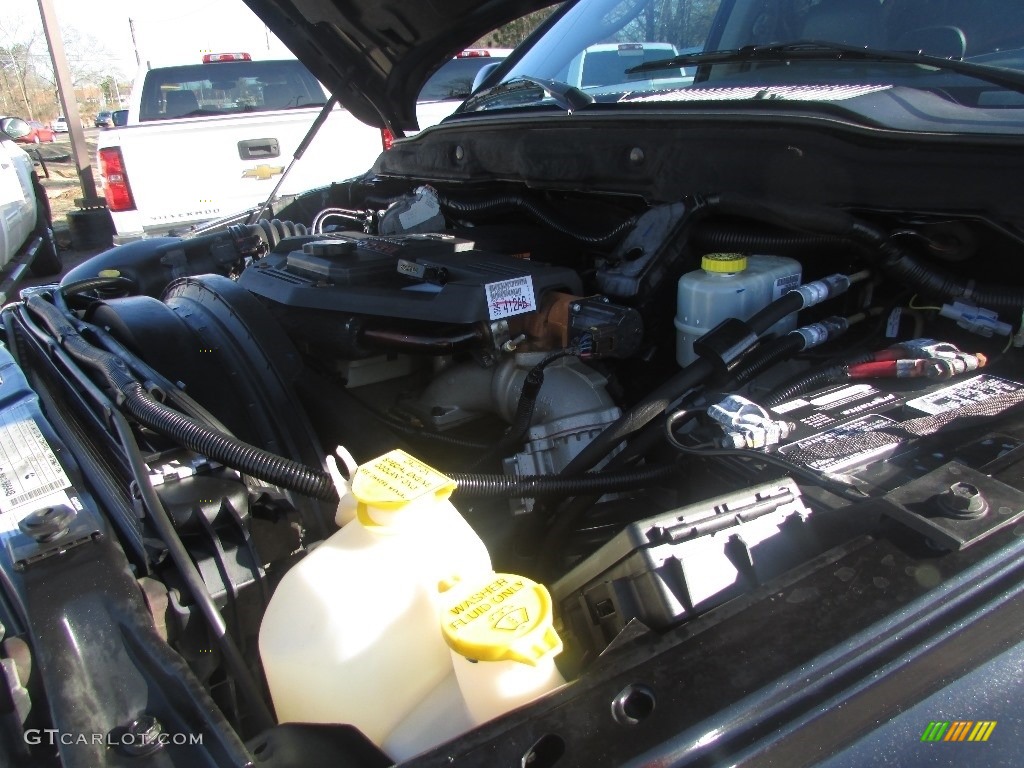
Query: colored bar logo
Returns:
{"type": "Point", "coordinates": [958, 730]}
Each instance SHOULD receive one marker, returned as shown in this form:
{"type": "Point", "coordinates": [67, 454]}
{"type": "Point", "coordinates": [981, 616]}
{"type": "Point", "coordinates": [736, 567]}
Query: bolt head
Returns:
{"type": "Point", "coordinates": [963, 500]}
{"type": "Point", "coordinates": [141, 736]}
{"type": "Point", "coordinates": [48, 523]}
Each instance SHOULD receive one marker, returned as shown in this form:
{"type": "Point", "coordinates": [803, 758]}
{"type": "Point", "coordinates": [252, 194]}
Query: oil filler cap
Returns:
{"type": "Point", "coordinates": [499, 617]}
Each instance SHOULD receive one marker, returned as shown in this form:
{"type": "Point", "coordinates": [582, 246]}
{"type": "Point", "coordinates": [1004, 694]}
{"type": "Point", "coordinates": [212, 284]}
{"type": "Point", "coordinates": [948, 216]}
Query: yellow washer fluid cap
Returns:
{"type": "Point", "coordinates": [500, 617]}
{"type": "Point", "coordinates": [393, 482]}
{"type": "Point", "coordinates": [723, 262]}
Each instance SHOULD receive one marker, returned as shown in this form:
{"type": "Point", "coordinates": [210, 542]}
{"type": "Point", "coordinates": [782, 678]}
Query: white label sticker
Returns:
{"type": "Point", "coordinates": [29, 469]}
{"type": "Point", "coordinates": [510, 297]}
{"type": "Point", "coordinates": [792, 405]}
{"type": "Point", "coordinates": [975, 390]}
{"type": "Point", "coordinates": [784, 285]}
{"type": "Point", "coordinates": [844, 395]}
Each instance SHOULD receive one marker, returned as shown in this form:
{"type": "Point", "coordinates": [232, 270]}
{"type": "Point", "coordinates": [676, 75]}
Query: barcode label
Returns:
{"type": "Point", "coordinates": [29, 469]}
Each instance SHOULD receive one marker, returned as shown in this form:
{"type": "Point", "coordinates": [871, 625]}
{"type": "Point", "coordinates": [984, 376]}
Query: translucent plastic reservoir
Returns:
{"type": "Point", "coordinates": [351, 634]}
{"type": "Point", "coordinates": [730, 285]}
{"type": "Point", "coordinates": [503, 649]}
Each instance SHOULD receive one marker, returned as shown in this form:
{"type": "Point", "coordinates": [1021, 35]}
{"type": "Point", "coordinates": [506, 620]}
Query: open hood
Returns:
{"type": "Point", "coordinates": [374, 55]}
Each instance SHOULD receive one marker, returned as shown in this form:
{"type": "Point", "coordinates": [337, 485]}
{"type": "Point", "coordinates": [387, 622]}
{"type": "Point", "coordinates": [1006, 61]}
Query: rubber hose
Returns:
{"type": "Point", "coordinates": [778, 309]}
{"type": "Point", "coordinates": [813, 380]}
{"type": "Point", "coordinates": [712, 238]}
{"type": "Point", "coordinates": [807, 217]}
{"type": "Point", "coordinates": [764, 357]}
{"type": "Point", "coordinates": [897, 262]}
{"type": "Point", "coordinates": [639, 416]}
{"type": "Point", "coordinates": [227, 450]}
{"type": "Point", "coordinates": [655, 404]}
{"type": "Point", "coordinates": [532, 486]}
{"type": "Point", "coordinates": [819, 377]}
{"type": "Point", "coordinates": [495, 204]}
{"type": "Point", "coordinates": [940, 284]}
{"type": "Point", "coordinates": [246, 458]}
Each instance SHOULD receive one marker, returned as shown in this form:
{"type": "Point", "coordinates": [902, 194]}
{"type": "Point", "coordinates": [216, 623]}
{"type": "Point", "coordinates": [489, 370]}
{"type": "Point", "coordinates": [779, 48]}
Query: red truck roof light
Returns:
{"type": "Point", "coordinates": [213, 58]}
{"type": "Point", "coordinates": [472, 53]}
{"type": "Point", "coordinates": [116, 188]}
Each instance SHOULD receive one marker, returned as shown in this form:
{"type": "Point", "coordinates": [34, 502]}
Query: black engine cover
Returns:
{"type": "Point", "coordinates": [438, 278]}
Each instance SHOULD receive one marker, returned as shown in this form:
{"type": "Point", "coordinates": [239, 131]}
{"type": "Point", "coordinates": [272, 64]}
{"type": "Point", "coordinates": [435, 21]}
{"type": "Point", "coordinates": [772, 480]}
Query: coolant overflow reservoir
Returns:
{"type": "Point", "coordinates": [730, 285]}
{"type": "Point", "coordinates": [499, 628]}
{"type": "Point", "coordinates": [350, 635]}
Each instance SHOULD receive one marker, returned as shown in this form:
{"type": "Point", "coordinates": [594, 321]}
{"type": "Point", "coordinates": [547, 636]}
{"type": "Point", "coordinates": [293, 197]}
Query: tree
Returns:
{"type": "Point", "coordinates": [512, 34]}
{"type": "Point", "coordinates": [16, 55]}
{"type": "Point", "coordinates": [27, 82]}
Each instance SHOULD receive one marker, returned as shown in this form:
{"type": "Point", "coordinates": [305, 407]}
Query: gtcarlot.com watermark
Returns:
{"type": "Point", "coordinates": [53, 737]}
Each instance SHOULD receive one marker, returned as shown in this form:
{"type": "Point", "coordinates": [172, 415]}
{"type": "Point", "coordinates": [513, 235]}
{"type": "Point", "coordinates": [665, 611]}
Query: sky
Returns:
{"type": "Point", "coordinates": [168, 32]}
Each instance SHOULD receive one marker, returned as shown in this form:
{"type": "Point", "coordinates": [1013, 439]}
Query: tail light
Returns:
{"type": "Point", "coordinates": [387, 138]}
{"type": "Point", "coordinates": [116, 188]}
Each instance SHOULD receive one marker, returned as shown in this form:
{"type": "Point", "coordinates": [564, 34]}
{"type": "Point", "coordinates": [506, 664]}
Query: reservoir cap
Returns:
{"type": "Point", "coordinates": [499, 617]}
{"type": "Point", "coordinates": [394, 481]}
{"type": "Point", "coordinates": [723, 262]}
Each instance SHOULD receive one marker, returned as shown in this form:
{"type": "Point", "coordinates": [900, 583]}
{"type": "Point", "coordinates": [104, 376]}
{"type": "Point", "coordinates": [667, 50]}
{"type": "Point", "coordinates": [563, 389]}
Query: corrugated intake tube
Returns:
{"type": "Point", "coordinates": [231, 452]}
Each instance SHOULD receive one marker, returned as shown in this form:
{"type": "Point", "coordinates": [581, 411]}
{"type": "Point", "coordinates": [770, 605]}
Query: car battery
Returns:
{"type": "Point", "coordinates": [668, 568]}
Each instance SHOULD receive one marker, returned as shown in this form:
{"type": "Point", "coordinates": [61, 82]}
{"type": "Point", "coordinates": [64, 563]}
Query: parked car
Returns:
{"type": "Point", "coordinates": [103, 119]}
{"type": "Point", "coordinates": [672, 418]}
{"type": "Point", "coordinates": [26, 131]}
{"type": "Point", "coordinates": [26, 233]}
{"type": "Point", "coordinates": [60, 124]}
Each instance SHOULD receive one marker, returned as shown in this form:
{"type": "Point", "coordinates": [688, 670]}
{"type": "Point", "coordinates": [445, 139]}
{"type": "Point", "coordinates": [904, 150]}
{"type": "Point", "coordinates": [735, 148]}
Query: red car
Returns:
{"type": "Point", "coordinates": [26, 131]}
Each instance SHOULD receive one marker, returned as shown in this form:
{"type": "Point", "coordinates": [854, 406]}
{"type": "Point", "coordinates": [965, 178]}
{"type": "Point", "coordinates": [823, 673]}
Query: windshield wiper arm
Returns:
{"type": "Point", "coordinates": [566, 96]}
{"type": "Point", "coordinates": [816, 50]}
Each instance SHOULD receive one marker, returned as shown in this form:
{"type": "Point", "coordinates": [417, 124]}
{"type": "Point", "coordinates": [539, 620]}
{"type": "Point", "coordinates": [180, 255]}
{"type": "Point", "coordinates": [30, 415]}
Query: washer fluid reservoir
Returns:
{"type": "Point", "coordinates": [730, 285]}
{"type": "Point", "coordinates": [499, 627]}
{"type": "Point", "coordinates": [351, 633]}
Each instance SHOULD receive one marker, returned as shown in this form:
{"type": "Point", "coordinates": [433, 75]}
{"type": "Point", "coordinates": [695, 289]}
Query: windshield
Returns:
{"type": "Point", "coordinates": [969, 52]}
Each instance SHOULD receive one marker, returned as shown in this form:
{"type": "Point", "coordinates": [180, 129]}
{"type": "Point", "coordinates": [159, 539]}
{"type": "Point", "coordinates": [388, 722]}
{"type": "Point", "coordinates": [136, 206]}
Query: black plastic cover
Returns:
{"type": "Point", "coordinates": [437, 278]}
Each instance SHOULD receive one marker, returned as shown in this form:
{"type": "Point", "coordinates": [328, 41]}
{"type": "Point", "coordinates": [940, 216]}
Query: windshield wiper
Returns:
{"type": "Point", "coordinates": [566, 96]}
{"type": "Point", "coordinates": [816, 50]}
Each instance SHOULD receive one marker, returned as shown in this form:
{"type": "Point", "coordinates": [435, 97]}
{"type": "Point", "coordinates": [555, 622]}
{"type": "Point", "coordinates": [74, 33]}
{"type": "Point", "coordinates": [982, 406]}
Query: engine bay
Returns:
{"type": "Point", "coordinates": [660, 411]}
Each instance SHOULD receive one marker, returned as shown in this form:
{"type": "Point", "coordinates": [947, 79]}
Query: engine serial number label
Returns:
{"type": "Point", "coordinates": [510, 297]}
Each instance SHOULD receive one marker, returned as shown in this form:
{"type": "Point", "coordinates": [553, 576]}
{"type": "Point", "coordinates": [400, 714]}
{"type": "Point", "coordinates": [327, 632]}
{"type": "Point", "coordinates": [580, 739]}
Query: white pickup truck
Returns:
{"type": "Point", "coordinates": [211, 138]}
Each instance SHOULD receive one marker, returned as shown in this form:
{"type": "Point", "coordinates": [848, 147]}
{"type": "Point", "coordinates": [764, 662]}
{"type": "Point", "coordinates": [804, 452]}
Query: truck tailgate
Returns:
{"type": "Point", "coordinates": [190, 170]}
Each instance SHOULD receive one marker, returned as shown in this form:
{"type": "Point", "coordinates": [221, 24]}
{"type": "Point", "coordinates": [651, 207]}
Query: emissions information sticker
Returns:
{"type": "Point", "coordinates": [29, 470]}
{"type": "Point", "coordinates": [976, 390]}
{"type": "Point", "coordinates": [510, 297]}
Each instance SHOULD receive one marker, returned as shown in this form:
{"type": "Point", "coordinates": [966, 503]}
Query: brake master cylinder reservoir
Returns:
{"type": "Point", "coordinates": [730, 285]}
{"type": "Point", "coordinates": [503, 648]}
{"type": "Point", "coordinates": [351, 633]}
